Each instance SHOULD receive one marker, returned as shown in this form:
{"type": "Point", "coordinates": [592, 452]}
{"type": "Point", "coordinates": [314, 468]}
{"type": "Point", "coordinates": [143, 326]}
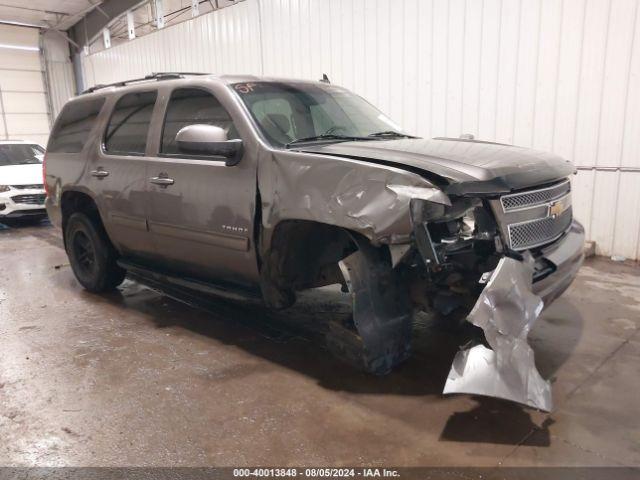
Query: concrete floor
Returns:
{"type": "Point", "coordinates": [136, 378]}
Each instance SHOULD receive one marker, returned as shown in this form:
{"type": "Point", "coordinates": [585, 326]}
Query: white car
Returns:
{"type": "Point", "coordinates": [21, 190]}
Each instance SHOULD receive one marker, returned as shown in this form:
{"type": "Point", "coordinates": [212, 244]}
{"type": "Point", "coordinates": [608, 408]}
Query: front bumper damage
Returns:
{"type": "Point", "coordinates": [506, 311]}
{"type": "Point", "coordinates": [418, 246]}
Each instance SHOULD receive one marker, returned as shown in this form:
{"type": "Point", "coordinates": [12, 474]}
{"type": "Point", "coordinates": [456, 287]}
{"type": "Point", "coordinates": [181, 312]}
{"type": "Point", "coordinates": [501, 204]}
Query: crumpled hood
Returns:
{"type": "Point", "coordinates": [468, 166]}
{"type": "Point", "coordinates": [30, 174]}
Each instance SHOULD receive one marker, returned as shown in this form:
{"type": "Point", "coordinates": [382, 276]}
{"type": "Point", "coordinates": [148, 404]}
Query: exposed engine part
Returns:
{"type": "Point", "coordinates": [441, 231]}
{"type": "Point", "coordinates": [506, 311]}
{"type": "Point", "coordinates": [456, 246]}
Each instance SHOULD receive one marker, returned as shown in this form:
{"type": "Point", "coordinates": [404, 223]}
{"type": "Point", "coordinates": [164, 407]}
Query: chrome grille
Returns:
{"type": "Point", "coordinates": [535, 217]}
{"type": "Point", "coordinates": [28, 187]}
{"type": "Point", "coordinates": [37, 199]}
{"type": "Point", "coordinates": [537, 232]}
{"type": "Point", "coordinates": [532, 198]}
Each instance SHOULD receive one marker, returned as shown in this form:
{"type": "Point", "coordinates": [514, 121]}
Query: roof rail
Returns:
{"type": "Point", "coordinates": [155, 76]}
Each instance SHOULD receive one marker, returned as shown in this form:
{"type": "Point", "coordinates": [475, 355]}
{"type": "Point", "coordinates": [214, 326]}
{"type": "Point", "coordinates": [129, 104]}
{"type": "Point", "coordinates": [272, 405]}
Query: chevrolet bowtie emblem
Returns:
{"type": "Point", "coordinates": [559, 206]}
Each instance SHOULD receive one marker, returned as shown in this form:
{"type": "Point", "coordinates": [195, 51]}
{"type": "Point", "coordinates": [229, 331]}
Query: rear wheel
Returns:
{"type": "Point", "coordinates": [91, 255]}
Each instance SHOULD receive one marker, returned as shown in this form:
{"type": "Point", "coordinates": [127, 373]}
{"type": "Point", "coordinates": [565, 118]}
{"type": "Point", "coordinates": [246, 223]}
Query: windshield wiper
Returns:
{"type": "Point", "coordinates": [391, 133]}
{"type": "Point", "coordinates": [325, 136]}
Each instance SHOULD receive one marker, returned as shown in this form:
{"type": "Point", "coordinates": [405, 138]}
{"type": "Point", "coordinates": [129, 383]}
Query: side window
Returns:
{"type": "Point", "coordinates": [129, 124]}
{"type": "Point", "coordinates": [74, 125]}
{"type": "Point", "coordinates": [188, 106]}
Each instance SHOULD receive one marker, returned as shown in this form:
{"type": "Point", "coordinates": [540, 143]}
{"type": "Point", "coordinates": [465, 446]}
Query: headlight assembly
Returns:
{"type": "Point", "coordinates": [4, 188]}
{"type": "Point", "coordinates": [441, 230]}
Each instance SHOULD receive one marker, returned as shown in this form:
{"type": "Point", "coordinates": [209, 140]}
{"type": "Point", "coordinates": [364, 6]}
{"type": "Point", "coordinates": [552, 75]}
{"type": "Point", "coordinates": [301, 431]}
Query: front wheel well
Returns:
{"type": "Point", "coordinates": [303, 254]}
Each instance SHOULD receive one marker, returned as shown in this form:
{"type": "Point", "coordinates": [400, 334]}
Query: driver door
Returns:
{"type": "Point", "coordinates": [201, 212]}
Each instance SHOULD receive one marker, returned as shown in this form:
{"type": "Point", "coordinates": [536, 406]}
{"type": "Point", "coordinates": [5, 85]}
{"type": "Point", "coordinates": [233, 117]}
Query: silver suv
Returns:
{"type": "Point", "coordinates": [259, 188]}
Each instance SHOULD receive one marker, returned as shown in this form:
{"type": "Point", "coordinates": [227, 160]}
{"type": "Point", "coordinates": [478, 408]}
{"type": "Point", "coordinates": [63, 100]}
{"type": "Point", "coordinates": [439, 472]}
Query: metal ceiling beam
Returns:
{"type": "Point", "coordinates": [22, 24]}
{"type": "Point", "coordinates": [73, 18]}
{"type": "Point", "coordinates": [92, 24]}
{"type": "Point", "coordinates": [61, 34]}
{"type": "Point", "coordinates": [35, 10]}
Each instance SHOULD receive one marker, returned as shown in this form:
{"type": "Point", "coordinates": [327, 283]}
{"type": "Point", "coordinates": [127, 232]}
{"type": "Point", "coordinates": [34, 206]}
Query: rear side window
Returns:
{"type": "Point", "coordinates": [189, 106]}
{"type": "Point", "coordinates": [129, 124]}
{"type": "Point", "coordinates": [74, 125]}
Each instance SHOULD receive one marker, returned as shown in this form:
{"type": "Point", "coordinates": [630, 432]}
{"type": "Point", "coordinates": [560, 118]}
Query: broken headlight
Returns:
{"type": "Point", "coordinates": [441, 230]}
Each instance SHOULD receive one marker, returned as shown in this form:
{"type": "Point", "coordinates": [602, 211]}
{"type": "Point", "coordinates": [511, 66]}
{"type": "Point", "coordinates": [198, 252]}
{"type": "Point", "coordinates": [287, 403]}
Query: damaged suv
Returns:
{"type": "Point", "coordinates": [259, 188]}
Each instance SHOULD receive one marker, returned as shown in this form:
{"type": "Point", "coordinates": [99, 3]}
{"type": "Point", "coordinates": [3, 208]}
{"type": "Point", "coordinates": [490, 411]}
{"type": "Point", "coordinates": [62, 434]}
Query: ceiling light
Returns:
{"type": "Point", "coordinates": [19, 47]}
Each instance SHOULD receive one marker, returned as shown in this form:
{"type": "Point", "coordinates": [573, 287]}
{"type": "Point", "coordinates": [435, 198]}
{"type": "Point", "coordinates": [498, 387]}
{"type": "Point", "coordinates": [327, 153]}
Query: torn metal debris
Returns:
{"type": "Point", "coordinates": [506, 311]}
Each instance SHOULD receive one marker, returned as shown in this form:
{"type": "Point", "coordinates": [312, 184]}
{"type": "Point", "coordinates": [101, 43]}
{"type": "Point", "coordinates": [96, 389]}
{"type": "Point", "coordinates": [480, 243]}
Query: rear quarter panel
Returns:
{"type": "Point", "coordinates": [68, 171]}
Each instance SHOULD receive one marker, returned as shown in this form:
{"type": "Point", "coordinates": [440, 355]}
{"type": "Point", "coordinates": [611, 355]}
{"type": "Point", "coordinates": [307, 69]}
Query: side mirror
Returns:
{"type": "Point", "coordinates": [202, 139]}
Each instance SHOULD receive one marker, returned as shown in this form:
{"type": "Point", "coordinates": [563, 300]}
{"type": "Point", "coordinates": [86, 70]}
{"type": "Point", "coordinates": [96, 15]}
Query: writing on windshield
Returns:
{"type": "Point", "coordinates": [290, 112]}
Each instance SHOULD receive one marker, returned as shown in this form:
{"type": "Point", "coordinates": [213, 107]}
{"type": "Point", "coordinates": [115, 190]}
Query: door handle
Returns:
{"type": "Point", "coordinates": [100, 173]}
{"type": "Point", "coordinates": [162, 180]}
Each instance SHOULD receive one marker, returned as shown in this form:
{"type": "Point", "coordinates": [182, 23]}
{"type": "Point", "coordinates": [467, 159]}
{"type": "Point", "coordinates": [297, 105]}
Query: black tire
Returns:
{"type": "Point", "coordinates": [91, 255]}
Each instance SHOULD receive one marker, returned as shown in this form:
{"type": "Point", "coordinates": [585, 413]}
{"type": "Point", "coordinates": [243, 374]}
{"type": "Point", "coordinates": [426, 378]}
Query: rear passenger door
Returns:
{"type": "Point", "coordinates": [118, 173]}
{"type": "Point", "coordinates": [201, 218]}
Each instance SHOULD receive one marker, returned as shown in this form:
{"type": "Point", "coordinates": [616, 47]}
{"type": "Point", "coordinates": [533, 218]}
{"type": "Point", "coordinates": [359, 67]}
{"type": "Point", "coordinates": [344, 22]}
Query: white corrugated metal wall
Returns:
{"type": "Point", "coordinates": [558, 75]}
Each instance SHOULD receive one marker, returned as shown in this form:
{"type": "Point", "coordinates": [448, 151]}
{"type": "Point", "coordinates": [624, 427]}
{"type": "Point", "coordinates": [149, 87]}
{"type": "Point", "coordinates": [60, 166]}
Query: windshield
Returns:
{"type": "Point", "coordinates": [20, 154]}
{"type": "Point", "coordinates": [290, 112]}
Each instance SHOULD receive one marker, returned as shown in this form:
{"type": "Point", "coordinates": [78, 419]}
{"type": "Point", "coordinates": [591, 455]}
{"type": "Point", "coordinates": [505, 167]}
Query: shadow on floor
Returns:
{"type": "Point", "coordinates": [498, 422]}
{"type": "Point", "coordinates": [34, 227]}
{"type": "Point", "coordinates": [23, 222]}
{"type": "Point", "coordinates": [295, 339]}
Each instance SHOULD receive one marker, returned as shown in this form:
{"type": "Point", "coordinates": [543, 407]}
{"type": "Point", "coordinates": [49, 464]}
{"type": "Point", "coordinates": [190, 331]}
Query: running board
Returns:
{"type": "Point", "coordinates": [157, 279]}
